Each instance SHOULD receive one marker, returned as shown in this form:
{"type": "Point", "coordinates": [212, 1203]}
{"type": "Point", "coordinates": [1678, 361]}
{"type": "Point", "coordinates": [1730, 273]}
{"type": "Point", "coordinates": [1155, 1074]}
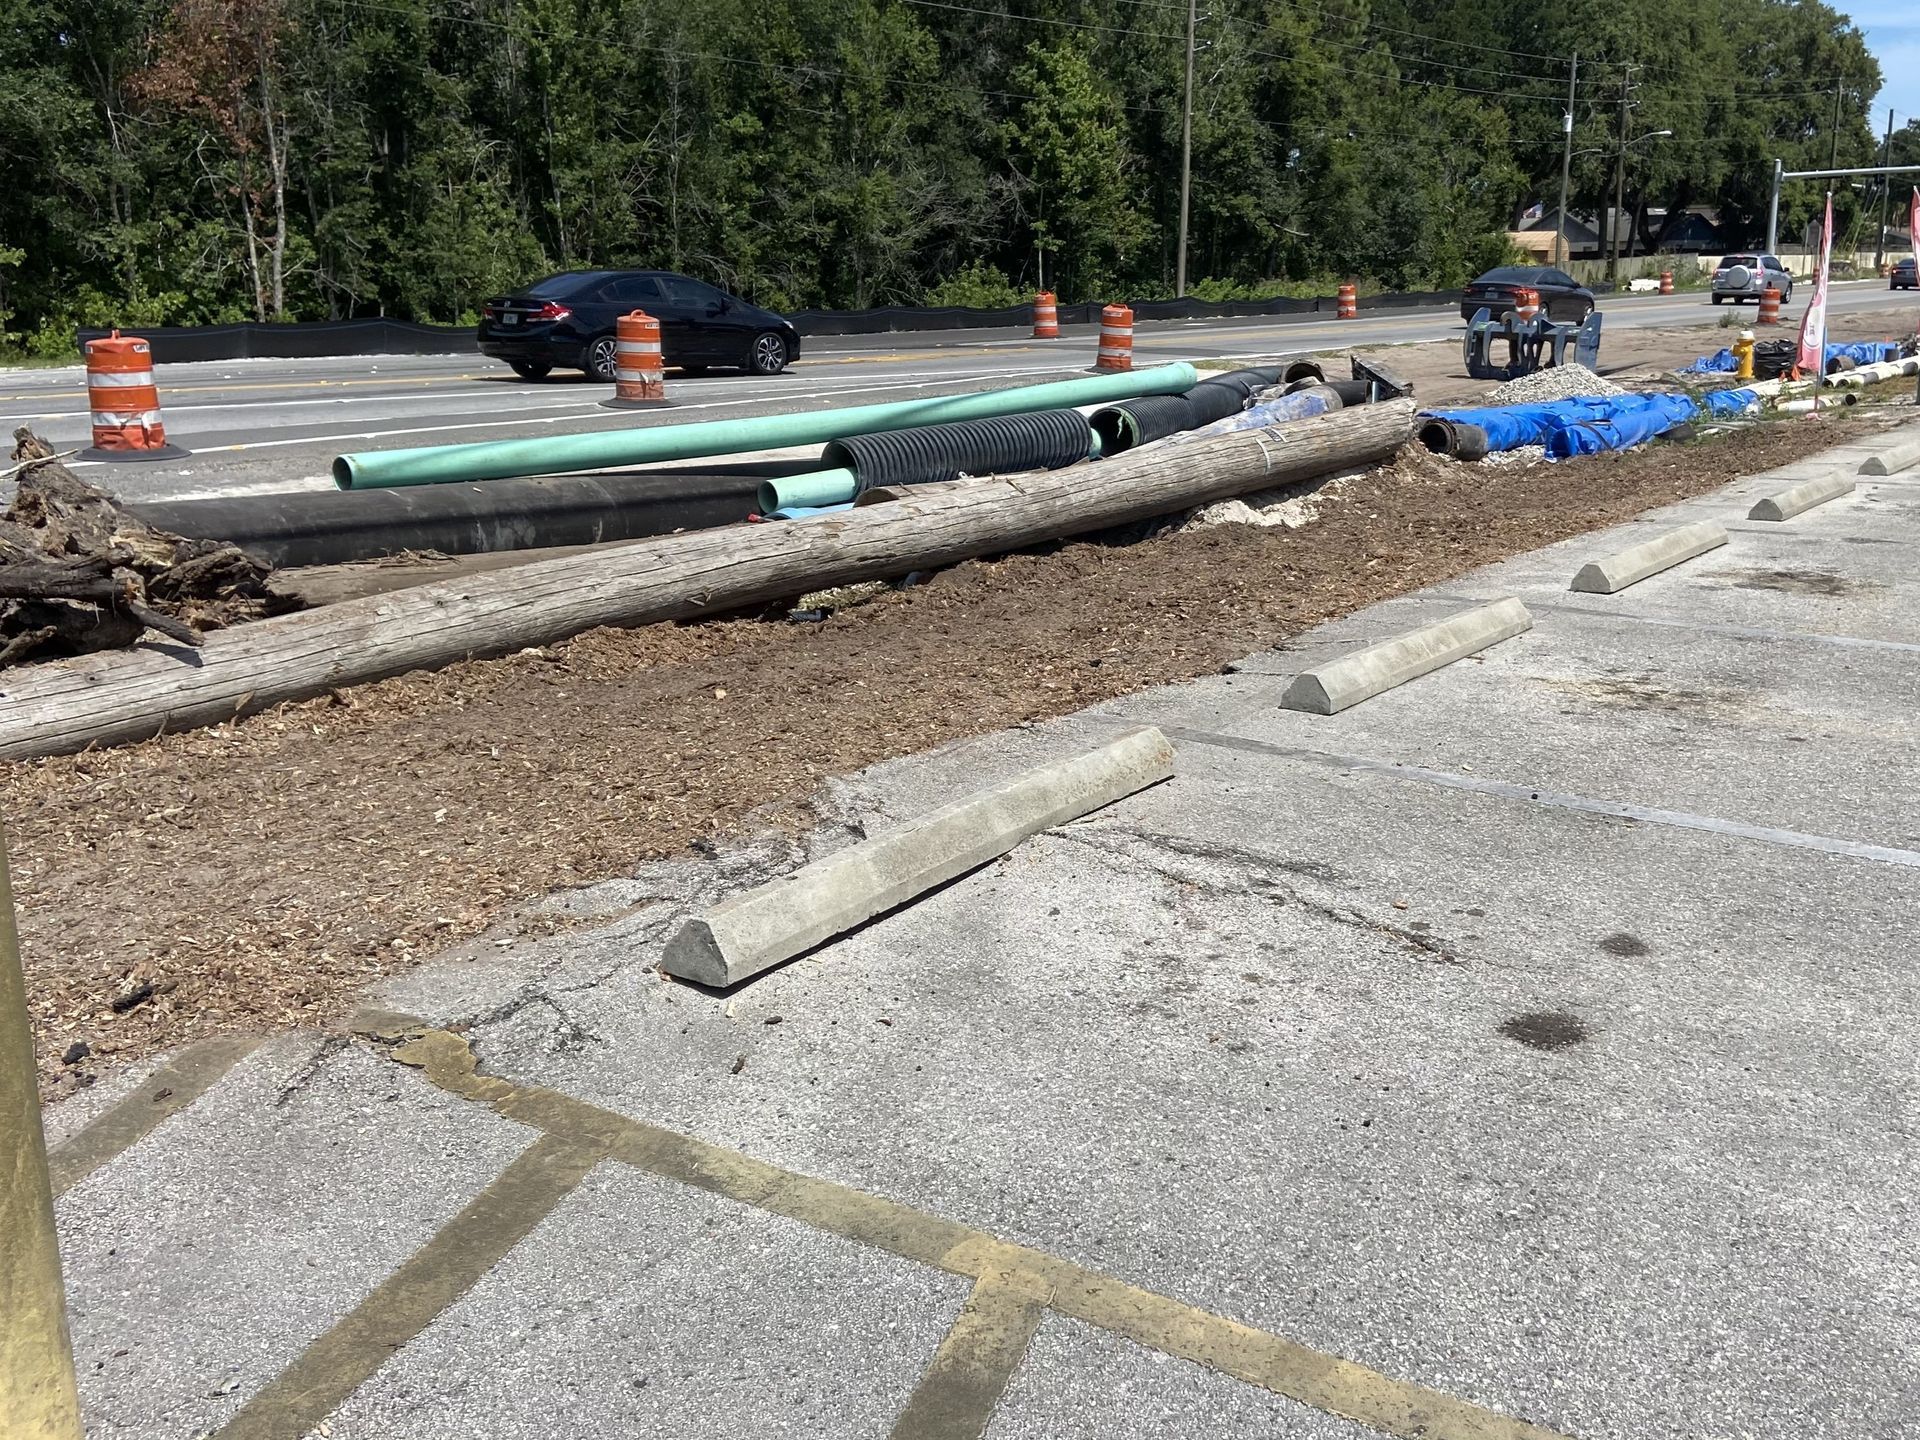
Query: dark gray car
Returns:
{"type": "Point", "coordinates": [1561, 296]}
{"type": "Point", "coordinates": [567, 322]}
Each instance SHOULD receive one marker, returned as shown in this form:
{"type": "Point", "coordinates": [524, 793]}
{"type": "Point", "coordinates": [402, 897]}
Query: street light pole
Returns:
{"type": "Point", "coordinates": [1886, 197]}
{"type": "Point", "coordinates": [1773, 209]}
{"type": "Point", "coordinates": [1566, 153]}
{"type": "Point", "coordinates": [1186, 157]}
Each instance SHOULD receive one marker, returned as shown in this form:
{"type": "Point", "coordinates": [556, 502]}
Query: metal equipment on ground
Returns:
{"type": "Point", "coordinates": [1512, 345]}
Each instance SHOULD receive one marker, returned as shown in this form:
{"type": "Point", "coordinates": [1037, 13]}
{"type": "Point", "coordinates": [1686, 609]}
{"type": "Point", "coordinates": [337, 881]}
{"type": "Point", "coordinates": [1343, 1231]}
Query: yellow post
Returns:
{"type": "Point", "coordinates": [1743, 356]}
{"type": "Point", "coordinates": [37, 1396]}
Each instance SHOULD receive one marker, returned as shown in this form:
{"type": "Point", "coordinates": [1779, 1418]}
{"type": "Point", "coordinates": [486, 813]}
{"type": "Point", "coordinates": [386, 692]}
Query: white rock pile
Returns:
{"type": "Point", "coordinates": [1559, 382]}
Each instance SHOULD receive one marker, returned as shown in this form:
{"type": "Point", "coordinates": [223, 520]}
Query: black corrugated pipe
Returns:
{"type": "Point", "coordinates": [335, 526]}
{"type": "Point", "coordinates": [1152, 417]}
{"type": "Point", "coordinates": [1213, 400]}
{"type": "Point", "coordinates": [928, 454]}
{"type": "Point", "coordinates": [1296, 370]}
{"type": "Point", "coordinates": [1452, 437]}
{"type": "Point", "coordinates": [1250, 381]}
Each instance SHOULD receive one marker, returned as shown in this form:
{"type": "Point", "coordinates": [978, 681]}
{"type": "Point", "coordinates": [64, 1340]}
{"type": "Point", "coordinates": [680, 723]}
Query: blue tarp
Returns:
{"type": "Point", "coordinates": [1509, 427]}
{"type": "Point", "coordinates": [1861, 352]}
{"type": "Point", "coordinates": [1864, 352]}
{"type": "Point", "coordinates": [1730, 402]}
{"type": "Point", "coordinates": [1624, 421]}
{"type": "Point", "coordinates": [1721, 362]}
{"type": "Point", "coordinates": [1593, 423]}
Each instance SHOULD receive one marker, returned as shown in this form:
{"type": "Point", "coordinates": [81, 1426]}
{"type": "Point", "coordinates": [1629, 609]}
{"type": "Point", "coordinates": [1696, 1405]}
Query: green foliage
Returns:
{"type": "Point", "coordinates": [189, 161]}
{"type": "Point", "coordinates": [978, 286]}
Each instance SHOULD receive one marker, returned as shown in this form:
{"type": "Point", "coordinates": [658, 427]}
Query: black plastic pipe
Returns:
{"type": "Point", "coordinates": [333, 527]}
{"type": "Point", "coordinates": [928, 454]}
{"type": "Point", "coordinates": [1213, 400]}
{"type": "Point", "coordinates": [1452, 437]}
{"type": "Point", "coordinates": [1132, 423]}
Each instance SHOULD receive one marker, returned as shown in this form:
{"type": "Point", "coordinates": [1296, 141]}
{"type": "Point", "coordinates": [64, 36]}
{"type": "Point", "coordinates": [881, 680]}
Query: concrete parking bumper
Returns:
{"type": "Point", "coordinates": [775, 922]}
{"type": "Point", "coordinates": [1801, 498]}
{"type": "Point", "coordinates": [1634, 564]}
{"type": "Point", "coordinates": [1329, 689]}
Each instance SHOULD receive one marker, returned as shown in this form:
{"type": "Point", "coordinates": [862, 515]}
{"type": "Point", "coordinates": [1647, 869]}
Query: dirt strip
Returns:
{"type": "Point", "coordinates": [258, 873]}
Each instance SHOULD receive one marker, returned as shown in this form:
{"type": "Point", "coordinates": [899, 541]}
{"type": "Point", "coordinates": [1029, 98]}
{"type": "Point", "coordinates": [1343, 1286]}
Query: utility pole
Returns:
{"type": "Point", "coordinates": [1886, 196]}
{"type": "Point", "coordinates": [1566, 153]}
{"type": "Point", "coordinates": [1186, 157]}
{"type": "Point", "coordinates": [1619, 179]}
{"type": "Point", "coordinates": [37, 1397]}
{"type": "Point", "coordinates": [1834, 162]}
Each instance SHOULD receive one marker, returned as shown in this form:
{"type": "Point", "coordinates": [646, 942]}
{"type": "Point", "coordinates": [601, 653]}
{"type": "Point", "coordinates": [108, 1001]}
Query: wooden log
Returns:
{"type": "Point", "coordinates": [887, 494]}
{"type": "Point", "coordinates": [113, 699]}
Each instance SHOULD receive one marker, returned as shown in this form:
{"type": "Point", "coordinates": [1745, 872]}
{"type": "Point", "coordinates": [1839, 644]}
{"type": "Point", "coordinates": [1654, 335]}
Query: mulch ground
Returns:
{"type": "Point", "coordinates": [259, 873]}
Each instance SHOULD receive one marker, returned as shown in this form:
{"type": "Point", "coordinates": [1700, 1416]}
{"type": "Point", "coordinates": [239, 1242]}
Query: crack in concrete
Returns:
{"type": "Point", "coordinates": [1431, 949]}
{"type": "Point", "coordinates": [329, 1046]}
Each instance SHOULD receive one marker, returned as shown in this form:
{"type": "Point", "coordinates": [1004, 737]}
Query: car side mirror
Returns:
{"type": "Point", "coordinates": [718, 307]}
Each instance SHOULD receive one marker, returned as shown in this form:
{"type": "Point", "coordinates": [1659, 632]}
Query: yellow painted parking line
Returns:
{"type": "Point", "coordinates": [444, 1269]}
{"type": "Point", "coordinates": [169, 1090]}
{"type": "Point", "coordinates": [1013, 1273]}
{"type": "Point", "coordinates": [957, 1396]}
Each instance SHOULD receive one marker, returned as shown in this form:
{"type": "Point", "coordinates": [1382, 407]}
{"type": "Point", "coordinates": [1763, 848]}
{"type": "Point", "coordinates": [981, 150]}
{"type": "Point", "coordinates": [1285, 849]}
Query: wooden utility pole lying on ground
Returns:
{"type": "Point", "coordinates": [113, 699]}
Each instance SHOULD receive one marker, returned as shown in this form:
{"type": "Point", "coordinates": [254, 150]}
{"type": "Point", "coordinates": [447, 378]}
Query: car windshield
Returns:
{"type": "Point", "coordinates": [1731, 260]}
{"type": "Point", "coordinates": [565, 283]}
{"type": "Point", "coordinates": [1512, 275]}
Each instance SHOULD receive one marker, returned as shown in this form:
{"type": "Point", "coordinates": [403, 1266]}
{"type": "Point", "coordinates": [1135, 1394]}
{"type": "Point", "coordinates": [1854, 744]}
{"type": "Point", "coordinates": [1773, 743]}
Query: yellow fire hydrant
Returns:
{"type": "Point", "coordinates": [1743, 356]}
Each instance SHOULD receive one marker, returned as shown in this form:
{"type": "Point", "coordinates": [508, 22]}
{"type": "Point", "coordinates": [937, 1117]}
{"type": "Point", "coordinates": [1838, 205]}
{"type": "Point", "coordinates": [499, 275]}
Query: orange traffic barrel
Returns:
{"type": "Point", "coordinates": [638, 378]}
{"type": "Point", "coordinates": [1116, 339]}
{"type": "Point", "coordinates": [1666, 282]}
{"type": "Point", "coordinates": [1526, 303]}
{"type": "Point", "coordinates": [1769, 306]}
{"type": "Point", "coordinates": [124, 401]}
{"type": "Point", "coordinates": [1349, 308]}
{"type": "Point", "coordinates": [1046, 316]}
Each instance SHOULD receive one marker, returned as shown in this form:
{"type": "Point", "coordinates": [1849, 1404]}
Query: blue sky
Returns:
{"type": "Point", "coordinates": [1893, 34]}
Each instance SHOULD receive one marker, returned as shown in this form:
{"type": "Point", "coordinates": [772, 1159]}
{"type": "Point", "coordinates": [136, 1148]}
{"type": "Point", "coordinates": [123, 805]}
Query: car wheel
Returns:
{"type": "Point", "coordinates": [530, 369]}
{"type": "Point", "coordinates": [1718, 298]}
{"type": "Point", "coordinates": [602, 356]}
{"type": "Point", "coordinates": [769, 354]}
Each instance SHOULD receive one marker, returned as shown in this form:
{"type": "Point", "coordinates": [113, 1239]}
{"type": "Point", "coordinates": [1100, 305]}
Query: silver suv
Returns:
{"type": "Point", "coordinates": [1745, 277]}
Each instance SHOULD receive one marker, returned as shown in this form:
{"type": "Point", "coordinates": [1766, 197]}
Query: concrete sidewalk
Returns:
{"type": "Point", "coordinates": [1527, 1051]}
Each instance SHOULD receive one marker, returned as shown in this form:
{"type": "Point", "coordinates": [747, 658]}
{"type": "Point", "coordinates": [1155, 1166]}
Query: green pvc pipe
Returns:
{"type": "Point", "coordinates": [653, 444]}
{"type": "Point", "coordinates": [813, 489]}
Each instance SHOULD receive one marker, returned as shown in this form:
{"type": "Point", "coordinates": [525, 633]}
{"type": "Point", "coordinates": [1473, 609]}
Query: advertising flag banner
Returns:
{"type": "Point", "coordinates": [1812, 356]}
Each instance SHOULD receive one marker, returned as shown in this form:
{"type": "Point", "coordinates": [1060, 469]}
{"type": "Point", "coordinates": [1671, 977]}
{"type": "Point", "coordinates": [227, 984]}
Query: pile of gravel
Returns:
{"type": "Point", "coordinates": [1560, 382]}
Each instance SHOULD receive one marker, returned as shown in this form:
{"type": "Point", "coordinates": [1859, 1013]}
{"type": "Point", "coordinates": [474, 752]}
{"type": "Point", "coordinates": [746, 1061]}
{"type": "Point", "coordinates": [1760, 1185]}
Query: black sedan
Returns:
{"type": "Point", "coordinates": [567, 321]}
{"type": "Point", "coordinates": [1561, 296]}
{"type": "Point", "coordinates": [1903, 276]}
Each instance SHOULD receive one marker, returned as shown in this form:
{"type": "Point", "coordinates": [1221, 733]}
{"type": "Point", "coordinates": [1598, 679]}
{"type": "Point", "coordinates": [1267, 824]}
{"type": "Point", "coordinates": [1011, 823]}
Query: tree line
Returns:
{"type": "Point", "coordinates": [191, 161]}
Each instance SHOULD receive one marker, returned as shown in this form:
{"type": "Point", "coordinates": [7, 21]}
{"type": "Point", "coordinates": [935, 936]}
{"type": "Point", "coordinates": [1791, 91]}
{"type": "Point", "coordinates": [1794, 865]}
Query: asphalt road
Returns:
{"type": "Point", "coordinates": [268, 426]}
{"type": "Point", "coordinates": [1524, 1053]}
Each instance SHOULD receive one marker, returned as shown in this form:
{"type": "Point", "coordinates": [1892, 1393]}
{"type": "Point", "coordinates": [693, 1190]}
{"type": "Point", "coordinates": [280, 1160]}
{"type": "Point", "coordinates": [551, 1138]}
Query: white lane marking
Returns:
{"type": "Point", "coordinates": [306, 484]}
{"type": "Point", "coordinates": [546, 399]}
{"type": "Point", "coordinates": [848, 389]}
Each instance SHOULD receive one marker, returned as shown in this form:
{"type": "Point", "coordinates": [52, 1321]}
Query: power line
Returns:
{"type": "Point", "coordinates": [1039, 19]}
